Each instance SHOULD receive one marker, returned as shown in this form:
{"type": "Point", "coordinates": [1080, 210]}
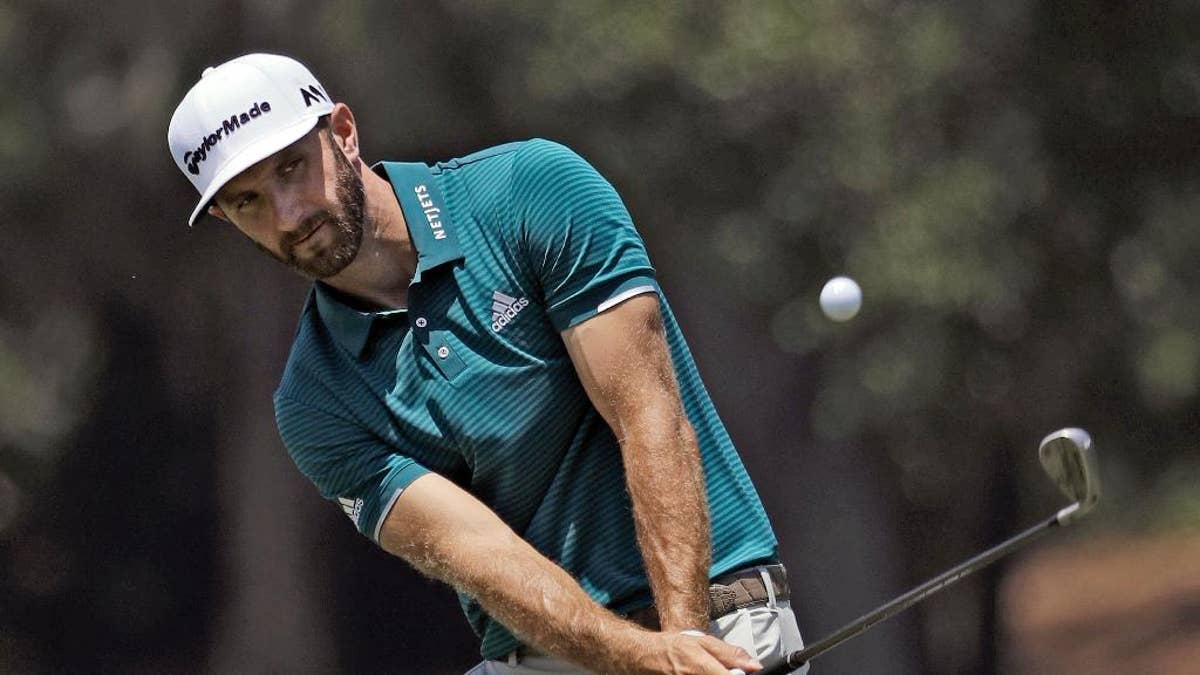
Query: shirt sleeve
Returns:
{"type": "Point", "coordinates": [577, 234]}
{"type": "Point", "coordinates": [346, 463]}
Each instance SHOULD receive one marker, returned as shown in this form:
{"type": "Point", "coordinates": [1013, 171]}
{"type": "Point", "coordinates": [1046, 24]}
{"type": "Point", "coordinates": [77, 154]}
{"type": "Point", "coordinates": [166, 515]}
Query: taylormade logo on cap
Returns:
{"type": "Point", "coordinates": [193, 157]}
{"type": "Point", "coordinates": [240, 113]}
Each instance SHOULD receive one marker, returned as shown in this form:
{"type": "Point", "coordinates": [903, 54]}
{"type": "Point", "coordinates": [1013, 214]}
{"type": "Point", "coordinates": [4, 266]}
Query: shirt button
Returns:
{"type": "Point", "coordinates": [443, 352]}
{"type": "Point", "coordinates": [421, 322]}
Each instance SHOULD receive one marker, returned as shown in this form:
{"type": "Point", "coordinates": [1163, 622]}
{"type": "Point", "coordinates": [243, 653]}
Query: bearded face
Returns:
{"type": "Point", "coordinates": [344, 223]}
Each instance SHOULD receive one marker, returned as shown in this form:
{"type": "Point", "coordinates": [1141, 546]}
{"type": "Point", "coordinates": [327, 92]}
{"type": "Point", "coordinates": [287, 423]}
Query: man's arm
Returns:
{"type": "Point", "coordinates": [447, 534]}
{"type": "Point", "coordinates": [624, 362]}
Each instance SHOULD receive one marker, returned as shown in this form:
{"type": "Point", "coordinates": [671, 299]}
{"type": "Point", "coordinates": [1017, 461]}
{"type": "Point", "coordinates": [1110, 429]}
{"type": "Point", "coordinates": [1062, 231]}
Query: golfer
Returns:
{"type": "Point", "coordinates": [488, 379]}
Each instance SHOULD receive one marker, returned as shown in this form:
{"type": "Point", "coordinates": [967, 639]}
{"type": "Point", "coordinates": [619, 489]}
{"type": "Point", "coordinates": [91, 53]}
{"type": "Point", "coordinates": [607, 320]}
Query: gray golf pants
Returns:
{"type": "Point", "coordinates": [768, 632]}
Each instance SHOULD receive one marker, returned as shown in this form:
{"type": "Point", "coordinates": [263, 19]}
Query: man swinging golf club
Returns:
{"type": "Point", "coordinates": [487, 378]}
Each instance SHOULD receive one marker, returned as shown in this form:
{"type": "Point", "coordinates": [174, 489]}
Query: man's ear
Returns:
{"type": "Point", "coordinates": [216, 212]}
{"type": "Point", "coordinates": [344, 130]}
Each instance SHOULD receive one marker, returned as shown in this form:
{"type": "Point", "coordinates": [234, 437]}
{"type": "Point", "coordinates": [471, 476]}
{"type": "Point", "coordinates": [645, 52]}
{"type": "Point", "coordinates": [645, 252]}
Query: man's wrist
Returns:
{"type": "Point", "coordinates": [632, 650]}
{"type": "Point", "coordinates": [684, 624]}
{"type": "Point", "coordinates": [684, 617]}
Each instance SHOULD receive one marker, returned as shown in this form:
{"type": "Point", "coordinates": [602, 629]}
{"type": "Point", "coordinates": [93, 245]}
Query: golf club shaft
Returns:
{"type": "Point", "coordinates": [863, 623]}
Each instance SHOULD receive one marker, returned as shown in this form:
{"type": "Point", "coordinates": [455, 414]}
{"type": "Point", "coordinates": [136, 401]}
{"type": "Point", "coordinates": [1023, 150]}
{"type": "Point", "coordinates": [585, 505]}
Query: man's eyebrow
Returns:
{"type": "Point", "coordinates": [237, 197]}
{"type": "Point", "coordinates": [285, 155]}
{"type": "Point", "coordinates": [232, 194]}
{"type": "Point", "coordinates": [268, 165]}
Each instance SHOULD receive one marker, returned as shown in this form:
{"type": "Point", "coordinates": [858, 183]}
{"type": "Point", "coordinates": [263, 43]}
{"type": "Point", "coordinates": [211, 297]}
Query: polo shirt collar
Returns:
{"type": "Point", "coordinates": [350, 327]}
{"type": "Point", "coordinates": [433, 236]}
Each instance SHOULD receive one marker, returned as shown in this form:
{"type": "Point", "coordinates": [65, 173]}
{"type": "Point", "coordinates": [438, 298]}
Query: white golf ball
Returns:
{"type": "Point", "coordinates": [841, 298]}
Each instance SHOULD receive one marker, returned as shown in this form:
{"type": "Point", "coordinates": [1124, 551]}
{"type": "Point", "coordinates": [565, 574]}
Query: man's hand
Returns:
{"type": "Point", "coordinates": [693, 653]}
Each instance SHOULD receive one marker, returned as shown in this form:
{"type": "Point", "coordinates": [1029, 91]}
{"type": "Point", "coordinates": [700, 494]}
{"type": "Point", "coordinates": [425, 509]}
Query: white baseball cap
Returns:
{"type": "Point", "coordinates": [239, 113]}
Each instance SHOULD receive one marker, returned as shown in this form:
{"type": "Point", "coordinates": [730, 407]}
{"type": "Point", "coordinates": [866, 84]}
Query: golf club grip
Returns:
{"type": "Point", "coordinates": [860, 625]}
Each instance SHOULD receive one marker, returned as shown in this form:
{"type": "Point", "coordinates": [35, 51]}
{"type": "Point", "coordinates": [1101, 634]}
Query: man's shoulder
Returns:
{"type": "Point", "coordinates": [515, 153]}
{"type": "Point", "coordinates": [502, 150]}
{"type": "Point", "coordinates": [497, 179]}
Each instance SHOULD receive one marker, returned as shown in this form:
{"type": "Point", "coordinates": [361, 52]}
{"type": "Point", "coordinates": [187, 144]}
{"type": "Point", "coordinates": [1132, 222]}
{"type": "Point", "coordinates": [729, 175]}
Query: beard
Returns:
{"type": "Point", "coordinates": [347, 225]}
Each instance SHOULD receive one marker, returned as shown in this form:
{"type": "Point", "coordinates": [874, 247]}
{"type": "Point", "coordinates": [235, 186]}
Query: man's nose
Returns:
{"type": "Point", "coordinates": [287, 210]}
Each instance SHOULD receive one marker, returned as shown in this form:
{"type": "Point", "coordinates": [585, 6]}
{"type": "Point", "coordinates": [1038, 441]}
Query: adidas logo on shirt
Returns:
{"type": "Point", "coordinates": [352, 507]}
{"type": "Point", "coordinates": [505, 309]}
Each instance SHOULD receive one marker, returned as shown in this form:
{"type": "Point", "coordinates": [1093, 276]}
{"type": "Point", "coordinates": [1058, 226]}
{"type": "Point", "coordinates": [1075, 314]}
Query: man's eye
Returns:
{"type": "Point", "coordinates": [287, 168]}
{"type": "Point", "coordinates": [245, 201]}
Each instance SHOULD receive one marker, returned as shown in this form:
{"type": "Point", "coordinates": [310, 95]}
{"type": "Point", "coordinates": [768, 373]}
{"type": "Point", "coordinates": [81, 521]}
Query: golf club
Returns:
{"type": "Point", "coordinates": [1070, 461]}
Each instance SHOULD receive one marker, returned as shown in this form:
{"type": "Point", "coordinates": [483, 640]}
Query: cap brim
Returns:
{"type": "Point", "coordinates": [250, 155]}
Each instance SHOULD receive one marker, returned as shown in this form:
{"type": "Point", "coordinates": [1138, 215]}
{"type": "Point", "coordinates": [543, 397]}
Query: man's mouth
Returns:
{"type": "Point", "coordinates": [311, 232]}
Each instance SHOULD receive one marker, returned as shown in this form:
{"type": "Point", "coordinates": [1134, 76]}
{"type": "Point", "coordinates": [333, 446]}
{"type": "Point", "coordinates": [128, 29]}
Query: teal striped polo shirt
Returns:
{"type": "Point", "coordinates": [515, 244]}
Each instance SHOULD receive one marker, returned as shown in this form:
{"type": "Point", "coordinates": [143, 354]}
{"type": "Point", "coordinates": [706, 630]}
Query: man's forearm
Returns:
{"type": "Point", "coordinates": [546, 608]}
{"type": "Point", "coordinates": [512, 581]}
{"type": "Point", "coordinates": [625, 363]}
{"type": "Point", "coordinates": [670, 511]}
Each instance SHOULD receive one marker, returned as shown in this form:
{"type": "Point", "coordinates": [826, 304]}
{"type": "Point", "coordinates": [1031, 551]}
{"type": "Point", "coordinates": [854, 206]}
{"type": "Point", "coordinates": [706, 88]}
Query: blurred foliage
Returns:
{"type": "Point", "coordinates": [1013, 184]}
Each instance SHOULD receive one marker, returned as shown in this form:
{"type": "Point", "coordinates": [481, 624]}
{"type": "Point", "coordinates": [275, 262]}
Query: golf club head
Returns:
{"type": "Point", "coordinates": [1068, 457]}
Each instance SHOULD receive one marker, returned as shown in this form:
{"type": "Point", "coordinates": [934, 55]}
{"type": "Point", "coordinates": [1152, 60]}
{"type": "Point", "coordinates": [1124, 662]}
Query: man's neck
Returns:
{"type": "Point", "coordinates": [386, 260]}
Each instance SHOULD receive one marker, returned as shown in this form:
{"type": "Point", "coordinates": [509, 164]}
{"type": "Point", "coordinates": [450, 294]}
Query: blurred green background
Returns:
{"type": "Point", "coordinates": [1014, 185]}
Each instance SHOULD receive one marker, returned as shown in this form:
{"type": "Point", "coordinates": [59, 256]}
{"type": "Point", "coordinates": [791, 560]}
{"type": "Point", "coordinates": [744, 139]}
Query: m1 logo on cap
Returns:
{"type": "Point", "coordinates": [193, 158]}
{"type": "Point", "coordinates": [312, 94]}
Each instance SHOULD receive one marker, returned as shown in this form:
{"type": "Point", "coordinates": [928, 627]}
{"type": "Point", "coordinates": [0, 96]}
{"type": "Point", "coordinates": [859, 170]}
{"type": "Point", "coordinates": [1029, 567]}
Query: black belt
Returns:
{"type": "Point", "coordinates": [728, 593]}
